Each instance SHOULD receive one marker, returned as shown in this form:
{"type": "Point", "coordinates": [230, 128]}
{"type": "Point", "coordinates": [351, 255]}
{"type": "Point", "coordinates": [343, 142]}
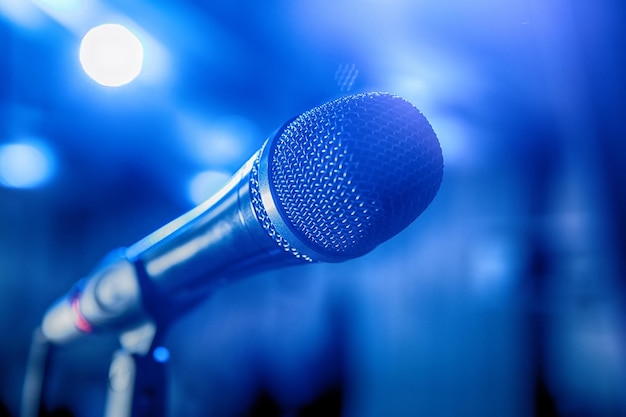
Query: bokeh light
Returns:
{"type": "Point", "coordinates": [65, 6]}
{"type": "Point", "coordinates": [25, 165]}
{"type": "Point", "coordinates": [205, 184]}
{"type": "Point", "coordinates": [161, 354]}
{"type": "Point", "coordinates": [224, 142]}
{"type": "Point", "coordinates": [111, 54]}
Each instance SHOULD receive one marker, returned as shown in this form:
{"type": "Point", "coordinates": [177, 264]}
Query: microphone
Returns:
{"type": "Point", "coordinates": [329, 185]}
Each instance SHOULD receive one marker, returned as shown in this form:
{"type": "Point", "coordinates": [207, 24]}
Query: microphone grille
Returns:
{"type": "Point", "coordinates": [352, 173]}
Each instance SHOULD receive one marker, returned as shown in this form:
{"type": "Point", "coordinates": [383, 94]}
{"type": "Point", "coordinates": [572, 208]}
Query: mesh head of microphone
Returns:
{"type": "Point", "coordinates": [350, 174]}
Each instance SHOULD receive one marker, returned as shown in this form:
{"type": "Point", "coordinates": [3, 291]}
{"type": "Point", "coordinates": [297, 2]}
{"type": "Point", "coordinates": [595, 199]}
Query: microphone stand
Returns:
{"type": "Point", "coordinates": [34, 378]}
{"type": "Point", "coordinates": [137, 385]}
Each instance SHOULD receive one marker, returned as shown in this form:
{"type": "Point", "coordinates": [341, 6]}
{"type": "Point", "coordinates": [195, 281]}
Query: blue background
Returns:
{"type": "Point", "coordinates": [505, 298]}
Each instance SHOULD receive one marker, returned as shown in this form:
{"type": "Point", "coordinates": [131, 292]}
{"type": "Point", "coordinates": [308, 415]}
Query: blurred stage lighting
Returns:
{"type": "Point", "coordinates": [205, 184]}
{"type": "Point", "coordinates": [161, 354]}
{"type": "Point", "coordinates": [63, 6]}
{"type": "Point", "coordinates": [20, 13]}
{"type": "Point", "coordinates": [222, 143]}
{"type": "Point", "coordinates": [111, 54]}
{"type": "Point", "coordinates": [25, 165]}
{"type": "Point", "coordinates": [456, 137]}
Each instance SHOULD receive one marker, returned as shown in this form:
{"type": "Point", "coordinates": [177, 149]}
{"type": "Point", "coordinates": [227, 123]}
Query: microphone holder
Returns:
{"type": "Point", "coordinates": [137, 384]}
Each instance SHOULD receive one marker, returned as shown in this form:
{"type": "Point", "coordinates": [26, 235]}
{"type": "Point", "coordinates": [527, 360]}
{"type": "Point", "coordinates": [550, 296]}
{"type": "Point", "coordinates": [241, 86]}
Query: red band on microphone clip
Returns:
{"type": "Point", "coordinates": [80, 321]}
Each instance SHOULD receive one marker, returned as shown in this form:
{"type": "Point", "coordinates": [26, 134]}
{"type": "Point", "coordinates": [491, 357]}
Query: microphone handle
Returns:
{"type": "Point", "coordinates": [171, 269]}
{"type": "Point", "coordinates": [221, 237]}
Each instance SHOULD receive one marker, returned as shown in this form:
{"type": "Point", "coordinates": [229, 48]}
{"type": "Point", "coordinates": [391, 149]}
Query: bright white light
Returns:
{"type": "Point", "coordinates": [111, 55]}
{"type": "Point", "coordinates": [205, 184]}
{"type": "Point", "coordinates": [25, 165]}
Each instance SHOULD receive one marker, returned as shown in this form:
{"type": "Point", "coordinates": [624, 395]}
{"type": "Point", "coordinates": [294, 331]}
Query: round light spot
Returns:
{"type": "Point", "coordinates": [111, 54]}
{"type": "Point", "coordinates": [25, 165]}
{"type": "Point", "coordinates": [161, 354]}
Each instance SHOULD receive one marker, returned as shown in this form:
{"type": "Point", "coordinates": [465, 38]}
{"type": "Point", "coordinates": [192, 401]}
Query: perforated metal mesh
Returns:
{"type": "Point", "coordinates": [350, 174]}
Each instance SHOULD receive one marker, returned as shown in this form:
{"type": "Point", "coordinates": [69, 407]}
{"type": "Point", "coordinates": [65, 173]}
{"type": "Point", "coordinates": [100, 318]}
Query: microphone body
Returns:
{"type": "Point", "coordinates": [172, 267]}
{"type": "Point", "coordinates": [328, 186]}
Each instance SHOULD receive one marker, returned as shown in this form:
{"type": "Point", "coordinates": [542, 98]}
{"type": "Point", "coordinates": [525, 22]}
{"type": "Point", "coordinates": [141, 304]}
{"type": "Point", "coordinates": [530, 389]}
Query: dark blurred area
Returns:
{"type": "Point", "coordinates": [505, 298]}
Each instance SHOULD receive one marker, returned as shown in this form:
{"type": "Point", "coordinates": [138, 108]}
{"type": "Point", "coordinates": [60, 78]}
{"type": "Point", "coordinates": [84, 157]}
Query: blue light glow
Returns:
{"type": "Point", "coordinates": [25, 165]}
{"type": "Point", "coordinates": [224, 143]}
{"type": "Point", "coordinates": [75, 15]}
{"type": "Point", "coordinates": [21, 13]}
{"type": "Point", "coordinates": [64, 6]}
{"type": "Point", "coordinates": [205, 184]}
{"type": "Point", "coordinates": [161, 354]}
{"type": "Point", "coordinates": [456, 137]}
{"type": "Point", "coordinates": [111, 54]}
